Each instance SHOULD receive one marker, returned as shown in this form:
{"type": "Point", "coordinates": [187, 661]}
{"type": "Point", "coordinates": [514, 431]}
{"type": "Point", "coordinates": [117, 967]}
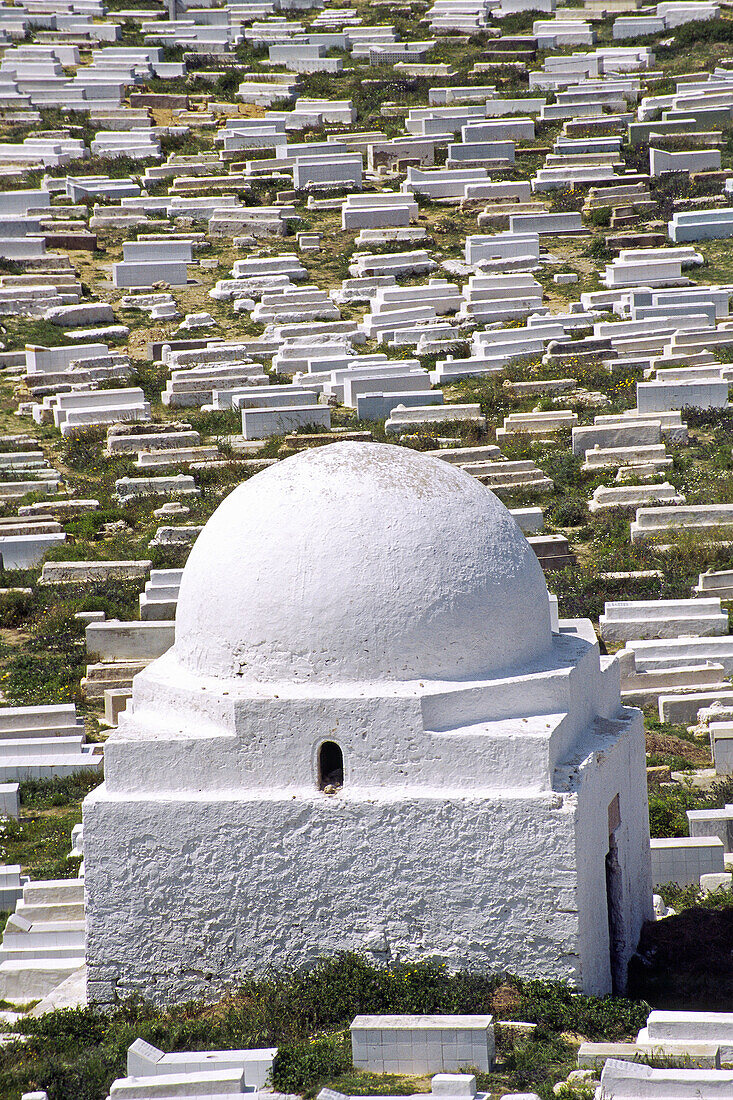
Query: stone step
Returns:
{"type": "Point", "coordinates": [46, 891]}
{"type": "Point", "coordinates": [59, 911]}
{"type": "Point", "coordinates": [106, 670]}
{"type": "Point", "coordinates": [640, 696]}
{"type": "Point", "coordinates": [51, 928]}
{"type": "Point", "coordinates": [43, 941]}
{"type": "Point", "coordinates": [110, 676]}
{"type": "Point", "coordinates": [70, 993]}
{"type": "Point", "coordinates": [223, 1082]}
{"type": "Point", "coordinates": [636, 240]}
{"type": "Point", "coordinates": [25, 981]}
{"type": "Point", "coordinates": [97, 688]}
{"type": "Point", "coordinates": [38, 954]}
{"type": "Point", "coordinates": [14, 768]}
{"type": "Point", "coordinates": [620, 222]}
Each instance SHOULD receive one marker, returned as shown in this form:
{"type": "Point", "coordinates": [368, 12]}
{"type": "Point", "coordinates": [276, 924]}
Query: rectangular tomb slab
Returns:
{"type": "Point", "coordinates": [684, 859]}
{"type": "Point", "coordinates": [422, 1044]}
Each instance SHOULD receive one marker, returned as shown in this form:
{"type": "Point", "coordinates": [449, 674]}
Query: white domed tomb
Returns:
{"type": "Point", "coordinates": [366, 736]}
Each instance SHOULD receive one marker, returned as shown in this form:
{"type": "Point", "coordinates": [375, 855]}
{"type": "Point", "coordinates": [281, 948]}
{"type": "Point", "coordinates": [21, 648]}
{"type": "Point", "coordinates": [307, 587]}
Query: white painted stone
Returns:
{"type": "Point", "coordinates": [631, 496]}
{"type": "Point", "coordinates": [216, 1083]}
{"type": "Point", "coordinates": [157, 250]}
{"type": "Point", "coordinates": [453, 1085]}
{"type": "Point", "coordinates": [691, 160]}
{"type": "Point", "coordinates": [145, 1060]}
{"type": "Point", "coordinates": [700, 225]}
{"type": "Point", "coordinates": [686, 1026]}
{"type": "Point", "coordinates": [683, 709]}
{"type": "Point", "coordinates": [652, 522]}
{"type": "Point", "coordinates": [43, 942]}
{"type": "Point", "coordinates": [721, 742]}
{"type": "Point", "coordinates": [401, 665]}
{"type": "Point", "coordinates": [640, 687]}
{"type": "Point", "coordinates": [425, 1044]}
{"type": "Point", "coordinates": [80, 572]}
{"type": "Point", "coordinates": [684, 859]}
{"type": "Point", "coordinates": [537, 423]}
{"type": "Point", "coordinates": [26, 551]}
{"type": "Point", "coordinates": [630, 1080]}
{"type": "Point", "coordinates": [622, 437]}
{"type": "Point", "coordinates": [403, 418]}
{"type": "Point", "coordinates": [9, 802]}
{"type": "Point", "coordinates": [626, 619]}
{"type": "Point", "coordinates": [713, 822]}
{"type": "Point", "coordinates": [715, 584]}
{"type": "Point", "coordinates": [127, 487]}
{"type": "Point", "coordinates": [711, 882]}
{"type": "Point", "coordinates": [114, 640]}
{"type": "Point", "coordinates": [145, 273]}
{"type": "Point", "coordinates": [662, 396]}
{"type": "Point", "coordinates": [260, 423]}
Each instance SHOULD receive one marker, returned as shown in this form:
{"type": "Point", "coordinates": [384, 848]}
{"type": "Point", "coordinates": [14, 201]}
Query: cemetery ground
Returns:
{"type": "Point", "coordinates": [76, 1053]}
{"type": "Point", "coordinates": [684, 961]}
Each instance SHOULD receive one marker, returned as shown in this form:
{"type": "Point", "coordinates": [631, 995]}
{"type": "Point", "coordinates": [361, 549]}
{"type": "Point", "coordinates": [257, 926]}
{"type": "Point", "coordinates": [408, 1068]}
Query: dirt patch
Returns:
{"type": "Point", "coordinates": [505, 1002]}
{"type": "Point", "coordinates": [665, 745]}
{"type": "Point", "coordinates": [14, 637]}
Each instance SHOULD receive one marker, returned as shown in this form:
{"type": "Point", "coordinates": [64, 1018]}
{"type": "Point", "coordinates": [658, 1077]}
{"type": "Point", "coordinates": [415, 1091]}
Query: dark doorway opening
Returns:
{"type": "Point", "coordinates": [614, 902]}
{"type": "Point", "coordinates": [330, 766]}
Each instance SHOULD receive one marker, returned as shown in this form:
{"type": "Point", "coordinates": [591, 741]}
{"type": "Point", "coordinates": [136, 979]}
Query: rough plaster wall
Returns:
{"type": "Point", "coordinates": [383, 742]}
{"type": "Point", "coordinates": [185, 895]}
{"type": "Point", "coordinates": [182, 733]}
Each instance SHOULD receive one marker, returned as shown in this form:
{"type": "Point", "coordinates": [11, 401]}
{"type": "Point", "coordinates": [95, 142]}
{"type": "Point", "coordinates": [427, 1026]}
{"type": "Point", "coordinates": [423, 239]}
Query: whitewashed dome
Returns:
{"type": "Point", "coordinates": [361, 561]}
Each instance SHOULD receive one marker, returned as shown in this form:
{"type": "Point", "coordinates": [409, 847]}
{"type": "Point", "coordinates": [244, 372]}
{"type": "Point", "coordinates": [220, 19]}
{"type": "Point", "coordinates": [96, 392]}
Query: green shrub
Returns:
{"type": "Point", "coordinates": [563, 467]}
{"type": "Point", "coordinates": [527, 1057]}
{"type": "Point", "coordinates": [37, 679]}
{"type": "Point", "coordinates": [555, 1007]}
{"type": "Point", "coordinates": [576, 1090]}
{"type": "Point", "coordinates": [571, 512]}
{"type": "Point", "coordinates": [597, 249]}
{"type": "Point", "coordinates": [150, 376]}
{"type": "Point", "coordinates": [699, 30]}
{"type": "Point", "coordinates": [40, 844]}
{"type": "Point", "coordinates": [600, 216]}
{"type": "Point", "coordinates": [15, 608]}
{"type": "Point", "coordinates": [298, 1068]}
{"type": "Point", "coordinates": [215, 423]}
{"type": "Point", "coordinates": [692, 897]}
{"type": "Point", "coordinates": [227, 83]}
{"type": "Point", "coordinates": [668, 808]}
{"type": "Point", "coordinates": [83, 450]}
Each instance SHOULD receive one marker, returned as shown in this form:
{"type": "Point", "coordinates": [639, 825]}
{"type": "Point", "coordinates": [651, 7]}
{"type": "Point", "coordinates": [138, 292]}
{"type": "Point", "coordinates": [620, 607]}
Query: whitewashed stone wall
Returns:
{"type": "Point", "coordinates": [473, 822]}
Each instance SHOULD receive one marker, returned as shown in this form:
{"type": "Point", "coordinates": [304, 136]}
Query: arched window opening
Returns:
{"type": "Point", "coordinates": [330, 767]}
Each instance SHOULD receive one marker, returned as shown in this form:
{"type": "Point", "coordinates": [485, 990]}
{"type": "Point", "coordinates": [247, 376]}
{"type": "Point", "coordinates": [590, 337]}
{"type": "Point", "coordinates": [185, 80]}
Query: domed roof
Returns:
{"type": "Point", "coordinates": [361, 561]}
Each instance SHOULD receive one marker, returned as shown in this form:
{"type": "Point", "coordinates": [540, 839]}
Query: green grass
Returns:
{"type": "Point", "coordinates": [668, 808]}
{"type": "Point", "coordinates": [692, 897]}
{"type": "Point", "coordinates": [40, 839]}
{"type": "Point", "coordinates": [76, 1054]}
